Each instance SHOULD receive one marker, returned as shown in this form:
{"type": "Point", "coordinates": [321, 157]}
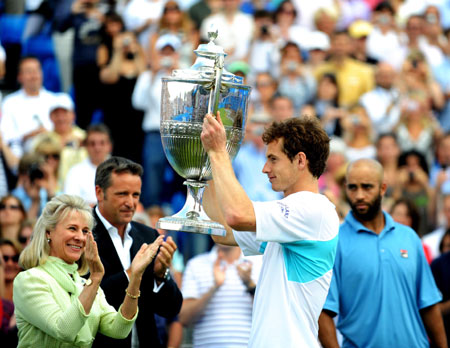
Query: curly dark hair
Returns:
{"type": "Point", "coordinates": [304, 134]}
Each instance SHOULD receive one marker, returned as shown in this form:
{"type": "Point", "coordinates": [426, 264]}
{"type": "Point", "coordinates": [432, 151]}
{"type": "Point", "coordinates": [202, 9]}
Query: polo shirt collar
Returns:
{"type": "Point", "coordinates": [357, 226]}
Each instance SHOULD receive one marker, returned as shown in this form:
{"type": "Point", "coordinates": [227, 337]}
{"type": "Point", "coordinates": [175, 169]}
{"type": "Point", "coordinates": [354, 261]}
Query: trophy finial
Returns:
{"type": "Point", "coordinates": [213, 32]}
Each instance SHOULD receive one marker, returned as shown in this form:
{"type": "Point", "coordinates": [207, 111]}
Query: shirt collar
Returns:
{"type": "Point", "coordinates": [389, 223]}
{"type": "Point", "coordinates": [110, 228]}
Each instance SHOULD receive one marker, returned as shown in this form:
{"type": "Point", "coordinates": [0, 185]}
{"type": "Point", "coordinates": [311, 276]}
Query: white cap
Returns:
{"type": "Point", "coordinates": [337, 145]}
{"type": "Point", "coordinates": [318, 40]}
{"type": "Point", "coordinates": [63, 101]}
{"type": "Point", "coordinates": [168, 40]}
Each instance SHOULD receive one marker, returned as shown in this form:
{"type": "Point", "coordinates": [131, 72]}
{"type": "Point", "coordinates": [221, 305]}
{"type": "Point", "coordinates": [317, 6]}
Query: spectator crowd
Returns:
{"type": "Point", "coordinates": [80, 81]}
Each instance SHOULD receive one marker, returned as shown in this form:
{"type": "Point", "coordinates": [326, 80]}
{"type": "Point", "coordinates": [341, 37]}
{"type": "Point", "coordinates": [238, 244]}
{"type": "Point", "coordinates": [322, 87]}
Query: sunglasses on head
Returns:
{"type": "Point", "coordinates": [10, 206]}
{"type": "Point", "coordinates": [14, 258]}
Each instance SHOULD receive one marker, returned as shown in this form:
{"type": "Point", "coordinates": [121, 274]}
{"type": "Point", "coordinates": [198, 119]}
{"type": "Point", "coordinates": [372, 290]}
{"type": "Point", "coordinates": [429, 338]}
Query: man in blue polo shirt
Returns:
{"type": "Point", "coordinates": [382, 287]}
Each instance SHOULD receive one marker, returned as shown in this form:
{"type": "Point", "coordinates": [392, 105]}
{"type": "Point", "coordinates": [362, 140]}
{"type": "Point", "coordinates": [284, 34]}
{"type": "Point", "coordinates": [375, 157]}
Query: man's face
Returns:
{"type": "Point", "coordinates": [98, 147]}
{"type": "Point", "coordinates": [364, 192]}
{"type": "Point", "coordinates": [30, 75]}
{"type": "Point", "coordinates": [282, 109]}
{"type": "Point", "coordinates": [62, 119]}
{"type": "Point", "coordinates": [446, 208]}
{"type": "Point", "coordinates": [282, 172]}
{"type": "Point", "coordinates": [341, 45]}
{"type": "Point", "coordinates": [119, 202]}
{"type": "Point", "coordinates": [385, 76]}
{"type": "Point", "coordinates": [387, 149]}
{"type": "Point", "coordinates": [444, 151]}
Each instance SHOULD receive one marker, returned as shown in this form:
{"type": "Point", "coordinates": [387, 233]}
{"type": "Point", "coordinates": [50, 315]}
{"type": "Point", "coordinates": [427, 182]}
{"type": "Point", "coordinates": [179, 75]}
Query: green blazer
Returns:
{"type": "Point", "coordinates": [49, 313]}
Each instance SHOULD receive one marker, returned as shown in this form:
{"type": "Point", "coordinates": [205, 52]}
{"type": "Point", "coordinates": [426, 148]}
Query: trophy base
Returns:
{"type": "Point", "coordinates": [192, 218]}
{"type": "Point", "coordinates": [174, 223]}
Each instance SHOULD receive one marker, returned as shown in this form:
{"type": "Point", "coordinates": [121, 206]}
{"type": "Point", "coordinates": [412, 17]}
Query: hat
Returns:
{"type": "Point", "coordinates": [337, 145]}
{"type": "Point", "coordinates": [168, 40]}
{"type": "Point", "coordinates": [239, 65]}
{"type": "Point", "coordinates": [62, 101]}
{"type": "Point", "coordinates": [318, 40]}
{"type": "Point", "coordinates": [359, 29]}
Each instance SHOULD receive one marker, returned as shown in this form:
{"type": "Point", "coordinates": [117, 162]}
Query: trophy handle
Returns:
{"type": "Point", "coordinates": [214, 95]}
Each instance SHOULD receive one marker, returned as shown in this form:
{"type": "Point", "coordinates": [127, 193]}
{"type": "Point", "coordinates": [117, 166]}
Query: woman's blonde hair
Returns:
{"type": "Point", "coordinates": [37, 252]}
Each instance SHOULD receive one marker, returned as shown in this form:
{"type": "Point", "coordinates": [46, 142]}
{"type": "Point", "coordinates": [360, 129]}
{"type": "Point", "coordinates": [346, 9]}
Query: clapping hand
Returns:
{"type": "Point", "coordinates": [219, 271]}
{"type": "Point", "coordinates": [93, 259]}
{"type": "Point", "coordinates": [144, 256]}
{"type": "Point", "coordinates": [244, 270]}
{"type": "Point", "coordinates": [164, 258]}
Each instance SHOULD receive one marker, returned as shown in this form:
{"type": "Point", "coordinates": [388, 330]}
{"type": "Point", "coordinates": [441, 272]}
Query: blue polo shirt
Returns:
{"type": "Point", "coordinates": [379, 284]}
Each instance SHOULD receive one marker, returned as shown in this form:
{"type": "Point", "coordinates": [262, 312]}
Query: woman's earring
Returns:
{"type": "Point", "coordinates": [48, 240]}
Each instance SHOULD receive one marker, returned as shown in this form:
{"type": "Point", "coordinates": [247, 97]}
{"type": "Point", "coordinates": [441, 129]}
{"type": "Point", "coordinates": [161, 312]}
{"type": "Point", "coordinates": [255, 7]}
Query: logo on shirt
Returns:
{"type": "Point", "coordinates": [284, 209]}
{"type": "Point", "coordinates": [404, 253]}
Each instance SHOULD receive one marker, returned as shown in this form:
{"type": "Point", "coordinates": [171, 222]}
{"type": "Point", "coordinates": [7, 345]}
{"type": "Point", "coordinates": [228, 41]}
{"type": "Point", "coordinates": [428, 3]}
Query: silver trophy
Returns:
{"type": "Point", "coordinates": [187, 96]}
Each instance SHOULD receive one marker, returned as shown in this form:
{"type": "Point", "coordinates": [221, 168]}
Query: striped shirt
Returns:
{"type": "Point", "coordinates": [227, 318]}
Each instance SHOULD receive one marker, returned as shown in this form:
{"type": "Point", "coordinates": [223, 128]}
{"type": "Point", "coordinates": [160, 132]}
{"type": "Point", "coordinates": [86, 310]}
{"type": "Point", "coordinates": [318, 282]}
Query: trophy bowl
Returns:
{"type": "Point", "coordinates": [187, 96]}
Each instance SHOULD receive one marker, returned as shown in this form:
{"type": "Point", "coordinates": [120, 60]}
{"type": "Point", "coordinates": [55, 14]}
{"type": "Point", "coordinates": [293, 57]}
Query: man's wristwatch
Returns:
{"type": "Point", "coordinates": [165, 277]}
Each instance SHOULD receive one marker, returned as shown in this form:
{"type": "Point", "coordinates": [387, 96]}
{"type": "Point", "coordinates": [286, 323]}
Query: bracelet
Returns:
{"type": "Point", "coordinates": [134, 297]}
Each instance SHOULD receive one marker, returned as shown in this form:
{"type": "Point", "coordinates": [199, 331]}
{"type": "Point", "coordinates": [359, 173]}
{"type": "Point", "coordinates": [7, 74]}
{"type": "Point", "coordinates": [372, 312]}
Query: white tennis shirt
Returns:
{"type": "Point", "coordinates": [298, 237]}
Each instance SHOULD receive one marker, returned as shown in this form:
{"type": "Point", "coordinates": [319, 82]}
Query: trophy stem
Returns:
{"type": "Point", "coordinates": [195, 190]}
{"type": "Point", "coordinates": [192, 218]}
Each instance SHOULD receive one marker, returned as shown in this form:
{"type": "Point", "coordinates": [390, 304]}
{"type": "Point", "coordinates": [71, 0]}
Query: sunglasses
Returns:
{"type": "Point", "coordinates": [14, 258]}
{"type": "Point", "coordinates": [171, 9]}
{"type": "Point", "coordinates": [55, 156]}
{"type": "Point", "coordinates": [11, 206]}
{"type": "Point", "coordinates": [22, 240]}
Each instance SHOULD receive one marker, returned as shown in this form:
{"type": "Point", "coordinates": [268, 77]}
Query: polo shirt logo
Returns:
{"type": "Point", "coordinates": [404, 253]}
{"type": "Point", "coordinates": [284, 209]}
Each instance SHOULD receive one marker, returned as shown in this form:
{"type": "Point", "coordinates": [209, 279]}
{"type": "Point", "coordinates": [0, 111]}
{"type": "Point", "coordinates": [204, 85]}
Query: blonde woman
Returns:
{"type": "Point", "coordinates": [54, 306]}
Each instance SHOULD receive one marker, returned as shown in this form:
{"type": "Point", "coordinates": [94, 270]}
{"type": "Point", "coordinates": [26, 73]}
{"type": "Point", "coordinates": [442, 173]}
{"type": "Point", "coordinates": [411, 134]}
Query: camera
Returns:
{"type": "Point", "coordinates": [292, 66]}
{"type": "Point", "coordinates": [166, 62]}
{"type": "Point", "coordinates": [355, 119]}
{"type": "Point", "coordinates": [126, 42]}
{"type": "Point", "coordinates": [35, 172]}
{"type": "Point", "coordinates": [130, 56]}
{"type": "Point", "coordinates": [431, 18]}
{"type": "Point", "coordinates": [384, 19]}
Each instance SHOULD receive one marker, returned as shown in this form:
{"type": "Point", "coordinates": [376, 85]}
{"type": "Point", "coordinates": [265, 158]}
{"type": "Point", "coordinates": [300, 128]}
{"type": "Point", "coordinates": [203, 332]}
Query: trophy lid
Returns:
{"type": "Point", "coordinates": [203, 67]}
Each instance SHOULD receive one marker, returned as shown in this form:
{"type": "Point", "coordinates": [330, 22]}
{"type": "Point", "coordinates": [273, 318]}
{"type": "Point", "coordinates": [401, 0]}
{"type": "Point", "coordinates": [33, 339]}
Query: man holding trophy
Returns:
{"type": "Point", "coordinates": [297, 234]}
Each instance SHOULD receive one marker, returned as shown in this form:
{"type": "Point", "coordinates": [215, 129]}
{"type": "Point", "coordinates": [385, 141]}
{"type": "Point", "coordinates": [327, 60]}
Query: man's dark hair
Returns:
{"type": "Point", "coordinates": [116, 165]}
{"type": "Point", "coordinates": [412, 212]}
{"type": "Point", "coordinates": [305, 135]}
{"type": "Point", "coordinates": [98, 128]}
{"type": "Point", "coordinates": [386, 135]}
{"type": "Point", "coordinates": [384, 6]}
{"type": "Point", "coordinates": [28, 57]}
